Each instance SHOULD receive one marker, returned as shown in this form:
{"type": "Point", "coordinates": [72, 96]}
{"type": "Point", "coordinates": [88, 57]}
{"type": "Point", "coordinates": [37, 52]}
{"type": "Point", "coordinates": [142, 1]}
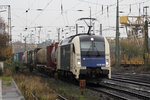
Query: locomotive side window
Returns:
{"type": "Point", "coordinates": [73, 48]}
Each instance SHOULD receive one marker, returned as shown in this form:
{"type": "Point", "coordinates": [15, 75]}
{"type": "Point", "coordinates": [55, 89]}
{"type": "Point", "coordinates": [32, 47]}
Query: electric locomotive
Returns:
{"type": "Point", "coordinates": [84, 56]}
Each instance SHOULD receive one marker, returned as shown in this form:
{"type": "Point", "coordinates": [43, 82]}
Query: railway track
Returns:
{"type": "Point", "coordinates": [60, 97]}
{"type": "Point", "coordinates": [137, 79]}
{"type": "Point", "coordinates": [112, 95]}
{"type": "Point", "coordinates": [131, 81]}
{"type": "Point", "coordinates": [120, 87]}
{"type": "Point", "coordinates": [118, 92]}
{"type": "Point", "coordinates": [133, 77]}
{"type": "Point", "coordinates": [141, 80]}
{"type": "Point", "coordinates": [125, 87]}
{"type": "Point", "coordinates": [133, 74]}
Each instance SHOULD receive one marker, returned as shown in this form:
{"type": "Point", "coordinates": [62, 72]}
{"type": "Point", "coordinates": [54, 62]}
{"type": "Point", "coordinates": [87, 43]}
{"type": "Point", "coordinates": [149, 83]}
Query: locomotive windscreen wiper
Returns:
{"type": "Point", "coordinates": [98, 54]}
{"type": "Point", "coordinates": [87, 54]}
{"type": "Point", "coordinates": [92, 46]}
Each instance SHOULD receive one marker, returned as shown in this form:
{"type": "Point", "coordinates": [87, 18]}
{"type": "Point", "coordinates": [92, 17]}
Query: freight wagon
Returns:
{"type": "Point", "coordinates": [17, 57]}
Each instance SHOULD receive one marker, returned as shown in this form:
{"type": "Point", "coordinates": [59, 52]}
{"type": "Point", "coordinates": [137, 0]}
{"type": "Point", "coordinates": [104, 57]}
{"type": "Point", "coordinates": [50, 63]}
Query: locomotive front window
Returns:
{"type": "Point", "coordinates": [85, 46]}
{"type": "Point", "coordinates": [92, 48]}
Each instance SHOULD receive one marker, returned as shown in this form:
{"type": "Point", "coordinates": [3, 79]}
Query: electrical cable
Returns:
{"type": "Point", "coordinates": [41, 12]}
{"type": "Point", "coordinates": [111, 5]}
{"type": "Point", "coordinates": [105, 10]}
{"type": "Point", "coordinates": [106, 7]}
{"type": "Point", "coordinates": [64, 12]}
{"type": "Point", "coordinates": [137, 3]}
{"type": "Point", "coordinates": [19, 18]}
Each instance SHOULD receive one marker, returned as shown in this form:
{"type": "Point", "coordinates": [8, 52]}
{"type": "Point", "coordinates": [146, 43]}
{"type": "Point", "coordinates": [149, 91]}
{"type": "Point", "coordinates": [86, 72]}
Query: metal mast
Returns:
{"type": "Point", "coordinates": [9, 24]}
{"type": "Point", "coordinates": [146, 51]}
{"type": "Point", "coordinates": [117, 61]}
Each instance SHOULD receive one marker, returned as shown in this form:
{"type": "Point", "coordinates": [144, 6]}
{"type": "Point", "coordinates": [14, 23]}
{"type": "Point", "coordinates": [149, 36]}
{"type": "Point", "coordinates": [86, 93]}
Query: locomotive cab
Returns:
{"type": "Point", "coordinates": [92, 51]}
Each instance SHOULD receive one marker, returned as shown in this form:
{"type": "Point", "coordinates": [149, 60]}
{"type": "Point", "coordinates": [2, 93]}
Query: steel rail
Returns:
{"type": "Point", "coordinates": [129, 81]}
{"type": "Point", "coordinates": [113, 95]}
{"type": "Point", "coordinates": [126, 92]}
{"type": "Point", "coordinates": [106, 88]}
{"type": "Point", "coordinates": [60, 97]}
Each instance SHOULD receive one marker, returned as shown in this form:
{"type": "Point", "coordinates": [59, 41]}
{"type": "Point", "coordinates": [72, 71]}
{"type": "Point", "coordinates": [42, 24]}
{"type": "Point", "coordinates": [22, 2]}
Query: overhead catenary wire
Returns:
{"type": "Point", "coordinates": [26, 11]}
{"type": "Point", "coordinates": [19, 18]}
{"type": "Point", "coordinates": [79, 0]}
{"type": "Point", "coordinates": [64, 17]}
{"type": "Point", "coordinates": [130, 8]}
{"type": "Point", "coordinates": [108, 6]}
{"type": "Point", "coordinates": [97, 3]}
{"type": "Point", "coordinates": [113, 4]}
{"type": "Point", "coordinates": [64, 12]}
{"type": "Point", "coordinates": [99, 11]}
{"type": "Point", "coordinates": [137, 3]}
{"type": "Point", "coordinates": [41, 12]}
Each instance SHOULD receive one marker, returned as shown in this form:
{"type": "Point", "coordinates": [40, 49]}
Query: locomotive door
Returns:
{"type": "Point", "coordinates": [65, 57]}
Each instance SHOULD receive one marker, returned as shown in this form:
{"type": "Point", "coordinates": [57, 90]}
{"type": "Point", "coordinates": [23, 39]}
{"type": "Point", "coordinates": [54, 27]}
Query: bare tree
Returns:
{"type": "Point", "coordinates": [5, 48]}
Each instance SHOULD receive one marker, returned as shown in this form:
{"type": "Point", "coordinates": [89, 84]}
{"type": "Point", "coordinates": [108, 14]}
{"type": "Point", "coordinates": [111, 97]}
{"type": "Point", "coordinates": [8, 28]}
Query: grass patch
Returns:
{"type": "Point", "coordinates": [7, 78]}
{"type": "Point", "coordinates": [71, 92]}
{"type": "Point", "coordinates": [7, 73]}
{"type": "Point", "coordinates": [31, 84]}
{"type": "Point", "coordinates": [48, 88]}
{"type": "Point", "coordinates": [8, 83]}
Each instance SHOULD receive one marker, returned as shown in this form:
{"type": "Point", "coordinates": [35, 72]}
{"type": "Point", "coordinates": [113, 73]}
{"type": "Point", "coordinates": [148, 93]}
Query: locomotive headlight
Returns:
{"type": "Point", "coordinates": [107, 61]}
{"type": "Point", "coordinates": [78, 61]}
{"type": "Point", "coordinates": [92, 39]}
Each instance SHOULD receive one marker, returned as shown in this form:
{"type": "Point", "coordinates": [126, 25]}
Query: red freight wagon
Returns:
{"type": "Point", "coordinates": [52, 56]}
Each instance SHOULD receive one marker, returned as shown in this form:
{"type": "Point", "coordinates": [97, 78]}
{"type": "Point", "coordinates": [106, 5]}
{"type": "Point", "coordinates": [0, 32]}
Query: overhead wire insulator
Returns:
{"type": "Point", "coordinates": [102, 9]}
{"type": "Point", "coordinates": [107, 11]}
{"type": "Point", "coordinates": [130, 8]}
{"type": "Point", "coordinates": [139, 9]}
{"type": "Point", "coordinates": [61, 9]}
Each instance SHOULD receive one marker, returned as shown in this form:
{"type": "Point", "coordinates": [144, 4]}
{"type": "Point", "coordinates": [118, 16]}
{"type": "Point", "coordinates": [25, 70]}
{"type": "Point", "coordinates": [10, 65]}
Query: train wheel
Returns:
{"type": "Point", "coordinates": [17, 69]}
{"type": "Point", "coordinates": [31, 69]}
{"type": "Point", "coordinates": [56, 75]}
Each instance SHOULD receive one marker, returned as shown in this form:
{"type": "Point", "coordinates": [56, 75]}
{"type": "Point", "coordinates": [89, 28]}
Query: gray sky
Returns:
{"type": "Point", "coordinates": [51, 17]}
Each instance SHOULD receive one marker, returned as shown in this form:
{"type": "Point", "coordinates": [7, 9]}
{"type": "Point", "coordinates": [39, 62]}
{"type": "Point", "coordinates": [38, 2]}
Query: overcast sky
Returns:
{"type": "Point", "coordinates": [60, 13]}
